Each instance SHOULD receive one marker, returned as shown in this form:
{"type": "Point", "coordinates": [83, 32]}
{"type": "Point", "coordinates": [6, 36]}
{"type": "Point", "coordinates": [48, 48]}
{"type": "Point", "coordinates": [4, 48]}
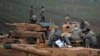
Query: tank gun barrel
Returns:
{"type": "Point", "coordinates": [27, 49]}
{"type": "Point", "coordinates": [11, 24]}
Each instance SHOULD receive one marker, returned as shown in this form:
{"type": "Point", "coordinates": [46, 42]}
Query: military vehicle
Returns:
{"type": "Point", "coordinates": [40, 46]}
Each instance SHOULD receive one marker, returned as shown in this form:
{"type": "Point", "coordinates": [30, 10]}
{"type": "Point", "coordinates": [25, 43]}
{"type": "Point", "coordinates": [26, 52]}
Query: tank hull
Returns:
{"type": "Point", "coordinates": [75, 51]}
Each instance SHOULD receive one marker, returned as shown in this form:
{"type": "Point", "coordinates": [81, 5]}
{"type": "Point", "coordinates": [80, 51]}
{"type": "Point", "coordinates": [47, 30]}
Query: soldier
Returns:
{"type": "Point", "coordinates": [90, 36]}
{"type": "Point", "coordinates": [54, 35]}
{"type": "Point", "coordinates": [42, 14]}
{"type": "Point", "coordinates": [65, 37]}
{"type": "Point", "coordinates": [33, 19]}
{"type": "Point", "coordinates": [67, 19]}
{"type": "Point", "coordinates": [30, 12]}
{"type": "Point", "coordinates": [76, 33]}
{"type": "Point", "coordinates": [84, 25]}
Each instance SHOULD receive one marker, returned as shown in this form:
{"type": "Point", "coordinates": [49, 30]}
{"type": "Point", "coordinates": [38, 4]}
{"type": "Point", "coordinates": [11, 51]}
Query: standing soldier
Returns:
{"type": "Point", "coordinates": [84, 24]}
{"type": "Point", "coordinates": [67, 19]}
{"type": "Point", "coordinates": [42, 14]}
{"type": "Point", "coordinates": [30, 12]}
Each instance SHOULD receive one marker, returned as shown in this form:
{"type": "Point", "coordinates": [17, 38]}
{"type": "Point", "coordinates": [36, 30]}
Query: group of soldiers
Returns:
{"type": "Point", "coordinates": [33, 17]}
{"type": "Point", "coordinates": [72, 32]}
{"type": "Point", "coordinates": [64, 37]}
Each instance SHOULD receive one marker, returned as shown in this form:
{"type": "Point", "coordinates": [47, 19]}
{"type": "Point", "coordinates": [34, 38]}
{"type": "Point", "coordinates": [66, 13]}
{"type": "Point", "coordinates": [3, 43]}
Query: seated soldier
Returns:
{"type": "Point", "coordinates": [84, 25]}
{"type": "Point", "coordinates": [76, 38]}
{"type": "Point", "coordinates": [54, 35]}
{"type": "Point", "coordinates": [65, 37]}
{"type": "Point", "coordinates": [33, 19]}
{"type": "Point", "coordinates": [66, 34]}
{"type": "Point", "coordinates": [89, 37]}
{"type": "Point", "coordinates": [76, 33]}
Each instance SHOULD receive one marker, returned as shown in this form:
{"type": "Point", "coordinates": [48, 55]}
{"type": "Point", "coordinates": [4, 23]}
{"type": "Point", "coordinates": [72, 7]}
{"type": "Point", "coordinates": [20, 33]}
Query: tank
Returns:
{"type": "Point", "coordinates": [40, 47]}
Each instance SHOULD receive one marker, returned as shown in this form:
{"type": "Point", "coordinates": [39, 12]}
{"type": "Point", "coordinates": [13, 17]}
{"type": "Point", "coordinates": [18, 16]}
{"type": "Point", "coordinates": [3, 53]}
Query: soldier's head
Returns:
{"type": "Point", "coordinates": [82, 20]}
{"type": "Point", "coordinates": [88, 29]}
{"type": "Point", "coordinates": [67, 27]}
{"type": "Point", "coordinates": [34, 16]}
{"type": "Point", "coordinates": [31, 6]}
{"type": "Point", "coordinates": [42, 6]}
{"type": "Point", "coordinates": [67, 14]}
